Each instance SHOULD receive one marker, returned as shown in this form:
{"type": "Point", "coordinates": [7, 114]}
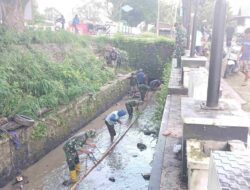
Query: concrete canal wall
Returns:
{"type": "Point", "coordinates": [56, 127]}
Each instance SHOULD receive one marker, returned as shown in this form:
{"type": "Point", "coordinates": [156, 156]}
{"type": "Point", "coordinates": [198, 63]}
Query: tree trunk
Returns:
{"type": "Point", "coordinates": [13, 13]}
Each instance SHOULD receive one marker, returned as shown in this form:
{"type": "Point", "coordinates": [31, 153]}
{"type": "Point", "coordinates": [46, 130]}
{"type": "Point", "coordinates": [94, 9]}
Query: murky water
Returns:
{"type": "Point", "coordinates": [125, 164]}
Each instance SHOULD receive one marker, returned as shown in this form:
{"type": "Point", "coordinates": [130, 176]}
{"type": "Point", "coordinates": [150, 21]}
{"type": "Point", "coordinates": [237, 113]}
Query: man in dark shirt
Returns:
{"type": "Point", "coordinates": [133, 85]}
{"type": "Point", "coordinates": [155, 84]}
{"type": "Point", "coordinates": [140, 76]}
{"type": "Point", "coordinates": [143, 89]}
{"type": "Point", "coordinates": [130, 104]}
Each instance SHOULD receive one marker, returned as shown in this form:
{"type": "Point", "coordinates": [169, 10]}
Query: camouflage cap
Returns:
{"type": "Point", "coordinates": [90, 133]}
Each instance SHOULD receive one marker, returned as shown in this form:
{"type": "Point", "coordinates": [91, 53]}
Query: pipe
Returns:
{"type": "Point", "coordinates": [213, 90]}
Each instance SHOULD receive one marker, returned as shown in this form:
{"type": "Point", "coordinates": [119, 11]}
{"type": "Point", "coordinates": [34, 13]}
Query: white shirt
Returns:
{"type": "Point", "coordinates": [198, 38]}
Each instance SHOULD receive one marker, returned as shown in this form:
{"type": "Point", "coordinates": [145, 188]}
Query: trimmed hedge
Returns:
{"type": "Point", "coordinates": [150, 54]}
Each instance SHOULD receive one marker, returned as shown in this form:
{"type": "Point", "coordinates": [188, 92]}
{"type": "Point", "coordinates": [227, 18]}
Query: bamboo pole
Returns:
{"type": "Point", "coordinates": [73, 187]}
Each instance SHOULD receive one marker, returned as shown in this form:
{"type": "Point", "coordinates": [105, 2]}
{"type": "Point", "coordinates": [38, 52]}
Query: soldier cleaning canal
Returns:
{"type": "Point", "coordinates": [72, 148]}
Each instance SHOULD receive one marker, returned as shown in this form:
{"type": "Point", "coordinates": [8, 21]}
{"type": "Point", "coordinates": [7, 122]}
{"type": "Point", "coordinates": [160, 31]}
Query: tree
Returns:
{"type": "Point", "coordinates": [168, 12]}
{"type": "Point", "coordinates": [13, 13]}
{"type": "Point", "coordinates": [37, 17]}
{"type": "Point", "coordinates": [51, 14]}
{"type": "Point", "coordinates": [92, 10]}
{"type": "Point", "coordinates": [206, 12]}
{"type": "Point", "coordinates": [142, 11]}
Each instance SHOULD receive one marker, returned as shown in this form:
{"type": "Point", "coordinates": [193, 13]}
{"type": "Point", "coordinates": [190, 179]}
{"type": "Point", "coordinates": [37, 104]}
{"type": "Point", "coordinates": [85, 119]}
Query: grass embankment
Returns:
{"type": "Point", "coordinates": [35, 76]}
{"type": "Point", "coordinates": [44, 69]}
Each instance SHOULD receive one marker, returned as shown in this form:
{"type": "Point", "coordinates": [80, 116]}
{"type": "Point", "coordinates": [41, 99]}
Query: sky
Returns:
{"type": "Point", "coordinates": [237, 3]}
{"type": "Point", "coordinates": [66, 6]}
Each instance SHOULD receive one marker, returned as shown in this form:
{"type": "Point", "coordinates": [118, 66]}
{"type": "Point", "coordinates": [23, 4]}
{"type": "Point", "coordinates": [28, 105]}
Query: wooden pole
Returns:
{"type": "Point", "coordinates": [73, 187]}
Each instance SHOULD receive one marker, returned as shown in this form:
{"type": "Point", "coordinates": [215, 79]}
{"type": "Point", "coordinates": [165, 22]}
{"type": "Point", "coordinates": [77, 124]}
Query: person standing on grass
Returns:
{"type": "Point", "coordinates": [75, 23]}
{"type": "Point", "coordinates": [72, 148]}
{"type": "Point", "coordinates": [113, 118]}
{"type": "Point", "coordinates": [62, 21]}
{"type": "Point", "coordinates": [245, 57]}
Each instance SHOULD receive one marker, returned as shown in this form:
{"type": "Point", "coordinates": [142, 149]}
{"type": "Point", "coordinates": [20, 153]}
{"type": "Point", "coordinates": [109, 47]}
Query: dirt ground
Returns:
{"type": "Point", "coordinates": [235, 82]}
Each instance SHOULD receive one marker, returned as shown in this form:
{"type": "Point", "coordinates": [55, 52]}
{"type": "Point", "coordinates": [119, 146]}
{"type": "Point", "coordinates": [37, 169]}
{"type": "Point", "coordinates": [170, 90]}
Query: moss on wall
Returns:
{"type": "Point", "coordinates": [56, 127]}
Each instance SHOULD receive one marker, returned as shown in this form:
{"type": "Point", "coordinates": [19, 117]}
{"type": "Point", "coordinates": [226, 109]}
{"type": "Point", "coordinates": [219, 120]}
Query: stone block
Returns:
{"type": "Point", "coordinates": [193, 62]}
{"type": "Point", "coordinates": [229, 171]}
{"type": "Point", "coordinates": [236, 146]}
{"type": "Point", "coordinates": [229, 114]}
{"type": "Point", "coordinates": [210, 146]}
{"type": "Point", "coordinates": [197, 179]}
{"type": "Point", "coordinates": [197, 83]}
{"type": "Point", "coordinates": [196, 158]}
{"type": "Point", "coordinates": [197, 165]}
{"type": "Point", "coordinates": [229, 122]}
{"type": "Point", "coordinates": [5, 159]}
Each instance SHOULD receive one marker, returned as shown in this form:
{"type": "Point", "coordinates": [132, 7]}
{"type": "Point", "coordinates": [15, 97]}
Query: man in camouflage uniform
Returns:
{"type": "Point", "coordinates": [130, 104]}
{"type": "Point", "coordinates": [133, 85]}
{"type": "Point", "coordinates": [143, 89]}
{"type": "Point", "coordinates": [73, 147]}
{"type": "Point", "coordinates": [180, 42]}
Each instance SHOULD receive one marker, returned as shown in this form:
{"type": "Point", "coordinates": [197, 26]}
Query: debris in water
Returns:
{"type": "Point", "coordinates": [68, 183]}
{"type": "Point", "coordinates": [135, 155]}
{"type": "Point", "coordinates": [146, 176]}
{"type": "Point", "coordinates": [141, 146]}
{"type": "Point", "coordinates": [147, 133]}
{"type": "Point", "coordinates": [20, 181]}
{"type": "Point", "coordinates": [177, 148]}
{"type": "Point", "coordinates": [112, 179]}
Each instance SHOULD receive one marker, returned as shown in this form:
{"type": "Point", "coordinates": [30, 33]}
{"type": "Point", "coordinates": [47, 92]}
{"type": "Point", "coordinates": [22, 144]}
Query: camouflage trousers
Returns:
{"type": "Point", "coordinates": [72, 160]}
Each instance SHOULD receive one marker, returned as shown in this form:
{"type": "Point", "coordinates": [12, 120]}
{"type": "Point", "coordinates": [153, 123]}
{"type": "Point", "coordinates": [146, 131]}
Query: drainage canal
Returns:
{"type": "Point", "coordinates": [126, 167]}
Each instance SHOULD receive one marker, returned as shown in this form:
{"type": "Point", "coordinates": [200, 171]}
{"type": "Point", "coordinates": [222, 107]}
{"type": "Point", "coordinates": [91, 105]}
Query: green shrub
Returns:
{"type": "Point", "coordinates": [162, 95]}
{"type": "Point", "coordinates": [39, 131]}
{"type": "Point", "coordinates": [148, 53]}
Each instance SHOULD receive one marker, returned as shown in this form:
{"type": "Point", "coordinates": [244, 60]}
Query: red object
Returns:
{"type": "Point", "coordinates": [82, 28]}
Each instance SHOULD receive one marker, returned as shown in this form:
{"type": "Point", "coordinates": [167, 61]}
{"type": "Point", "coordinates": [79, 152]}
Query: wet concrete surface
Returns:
{"type": "Point", "coordinates": [125, 164]}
